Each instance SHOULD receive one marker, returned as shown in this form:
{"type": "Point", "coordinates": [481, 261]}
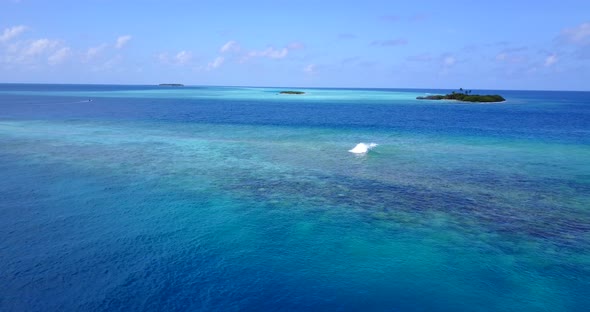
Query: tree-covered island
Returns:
{"type": "Point", "coordinates": [465, 96]}
{"type": "Point", "coordinates": [291, 92]}
{"type": "Point", "coordinates": [171, 85]}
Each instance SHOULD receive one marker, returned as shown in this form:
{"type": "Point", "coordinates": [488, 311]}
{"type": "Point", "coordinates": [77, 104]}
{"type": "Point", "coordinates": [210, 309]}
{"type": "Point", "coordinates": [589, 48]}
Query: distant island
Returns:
{"type": "Point", "coordinates": [171, 85]}
{"type": "Point", "coordinates": [465, 96]}
{"type": "Point", "coordinates": [291, 92]}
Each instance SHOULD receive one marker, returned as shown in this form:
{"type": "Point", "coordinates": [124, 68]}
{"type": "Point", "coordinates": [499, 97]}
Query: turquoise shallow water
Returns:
{"type": "Point", "coordinates": [212, 198]}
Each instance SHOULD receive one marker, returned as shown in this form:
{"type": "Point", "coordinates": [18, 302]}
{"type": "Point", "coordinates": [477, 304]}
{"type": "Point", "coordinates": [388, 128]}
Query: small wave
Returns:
{"type": "Point", "coordinates": [363, 148]}
{"type": "Point", "coordinates": [61, 103]}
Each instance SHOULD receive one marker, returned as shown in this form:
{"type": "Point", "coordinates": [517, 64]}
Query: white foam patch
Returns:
{"type": "Point", "coordinates": [363, 148]}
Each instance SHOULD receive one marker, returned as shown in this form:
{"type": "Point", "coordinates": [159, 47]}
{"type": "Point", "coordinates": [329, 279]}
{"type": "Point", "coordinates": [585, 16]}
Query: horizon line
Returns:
{"type": "Point", "coordinates": [294, 87]}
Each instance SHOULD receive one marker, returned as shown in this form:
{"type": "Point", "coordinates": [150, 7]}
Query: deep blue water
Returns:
{"type": "Point", "coordinates": [141, 198]}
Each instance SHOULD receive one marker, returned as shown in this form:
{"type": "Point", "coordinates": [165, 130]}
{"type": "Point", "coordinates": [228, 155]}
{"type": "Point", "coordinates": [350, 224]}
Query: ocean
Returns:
{"type": "Point", "coordinates": [147, 198]}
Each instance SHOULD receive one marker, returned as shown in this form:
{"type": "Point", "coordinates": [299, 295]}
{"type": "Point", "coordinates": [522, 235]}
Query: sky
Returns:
{"type": "Point", "coordinates": [522, 45]}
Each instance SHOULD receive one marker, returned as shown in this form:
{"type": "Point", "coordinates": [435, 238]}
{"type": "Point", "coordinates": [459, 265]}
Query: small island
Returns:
{"type": "Point", "coordinates": [465, 96]}
{"type": "Point", "coordinates": [291, 92]}
{"type": "Point", "coordinates": [171, 85]}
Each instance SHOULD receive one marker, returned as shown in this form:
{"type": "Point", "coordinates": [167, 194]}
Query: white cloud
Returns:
{"type": "Point", "coordinates": [109, 64]}
{"type": "Point", "coordinates": [34, 53]}
{"type": "Point", "coordinates": [122, 41]}
{"type": "Point", "coordinates": [449, 61]}
{"type": "Point", "coordinates": [218, 61]}
{"type": "Point", "coordinates": [12, 32]}
{"type": "Point", "coordinates": [183, 57]}
{"type": "Point", "coordinates": [551, 59]}
{"type": "Point", "coordinates": [93, 52]}
{"type": "Point", "coordinates": [230, 46]}
{"type": "Point", "coordinates": [506, 57]}
{"type": "Point", "coordinates": [40, 46]}
{"type": "Point", "coordinates": [310, 69]}
{"type": "Point", "coordinates": [163, 58]}
{"type": "Point", "coordinates": [270, 52]}
{"type": "Point", "coordinates": [59, 56]}
{"type": "Point", "coordinates": [577, 35]}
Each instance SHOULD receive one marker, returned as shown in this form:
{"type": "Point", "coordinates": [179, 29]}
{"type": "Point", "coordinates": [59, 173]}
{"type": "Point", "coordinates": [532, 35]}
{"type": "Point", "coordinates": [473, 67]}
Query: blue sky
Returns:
{"type": "Point", "coordinates": [384, 44]}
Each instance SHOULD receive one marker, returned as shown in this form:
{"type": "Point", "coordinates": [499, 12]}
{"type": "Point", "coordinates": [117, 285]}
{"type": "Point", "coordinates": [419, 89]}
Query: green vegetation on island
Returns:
{"type": "Point", "coordinates": [291, 92]}
{"type": "Point", "coordinates": [465, 96]}
{"type": "Point", "coordinates": [171, 85]}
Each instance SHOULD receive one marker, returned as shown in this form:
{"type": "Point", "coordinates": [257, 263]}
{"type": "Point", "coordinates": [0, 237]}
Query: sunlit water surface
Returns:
{"type": "Point", "coordinates": [139, 198]}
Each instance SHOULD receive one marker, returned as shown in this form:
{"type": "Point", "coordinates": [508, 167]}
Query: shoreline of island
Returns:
{"type": "Point", "coordinates": [289, 92]}
{"type": "Point", "coordinates": [465, 96]}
